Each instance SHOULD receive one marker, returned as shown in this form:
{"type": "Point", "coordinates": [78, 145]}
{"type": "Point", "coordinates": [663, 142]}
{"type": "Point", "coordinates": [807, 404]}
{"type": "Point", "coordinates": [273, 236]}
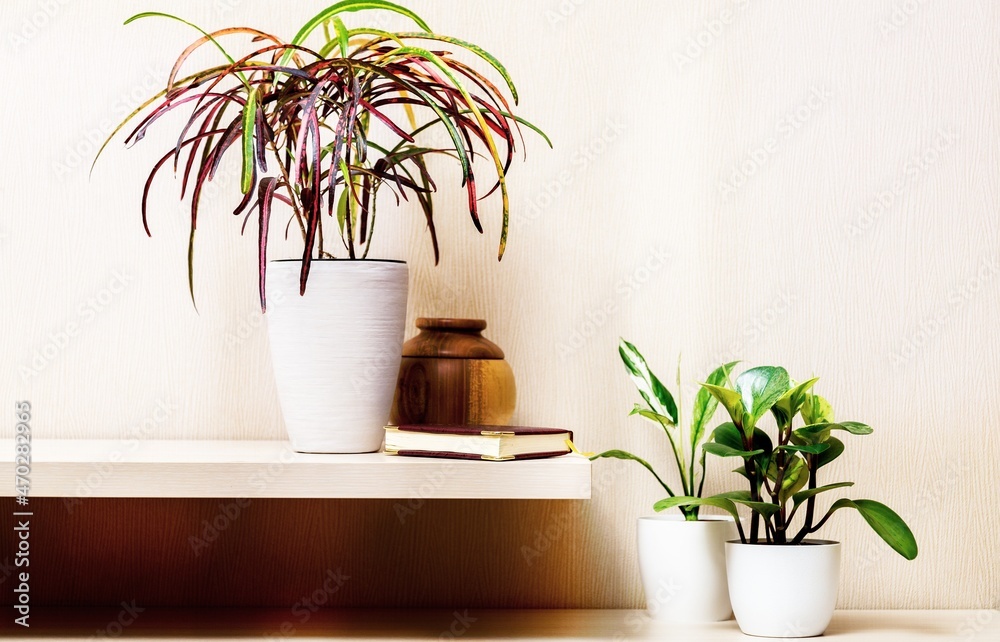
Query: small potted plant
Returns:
{"type": "Point", "coordinates": [681, 557]}
{"type": "Point", "coordinates": [781, 582]}
{"type": "Point", "coordinates": [322, 129]}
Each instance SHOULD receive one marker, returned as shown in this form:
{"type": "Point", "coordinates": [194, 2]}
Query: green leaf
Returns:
{"type": "Point", "coordinates": [788, 405]}
{"type": "Point", "coordinates": [468, 46]}
{"type": "Point", "coordinates": [884, 521]}
{"type": "Point", "coordinates": [621, 454]}
{"type": "Point", "coordinates": [655, 393]}
{"type": "Point", "coordinates": [759, 388]}
{"type": "Point", "coordinates": [158, 14]}
{"type": "Point", "coordinates": [686, 500]}
{"type": "Point", "coordinates": [249, 124]}
{"type": "Point", "coordinates": [652, 416]}
{"type": "Point", "coordinates": [342, 210]}
{"type": "Point", "coordinates": [705, 404]}
{"type": "Point", "coordinates": [346, 6]}
{"type": "Point", "coordinates": [836, 448]}
{"type": "Point", "coordinates": [743, 497]}
{"type": "Point", "coordinates": [742, 471]}
{"type": "Point", "coordinates": [727, 451]}
{"type": "Point", "coordinates": [817, 433]}
{"type": "Point", "coordinates": [728, 435]}
{"type": "Point", "coordinates": [802, 496]}
{"type": "Point", "coordinates": [730, 400]}
{"type": "Point", "coordinates": [342, 36]}
{"type": "Point", "coordinates": [811, 449]}
{"type": "Point", "coordinates": [817, 410]}
{"type": "Point", "coordinates": [854, 427]}
{"type": "Point", "coordinates": [795, 478]}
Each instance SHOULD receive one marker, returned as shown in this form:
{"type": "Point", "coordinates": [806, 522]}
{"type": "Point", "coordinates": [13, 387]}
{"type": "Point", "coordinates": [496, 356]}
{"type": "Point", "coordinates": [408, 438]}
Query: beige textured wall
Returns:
{"type": "Point", "coordinates": [814, 185]}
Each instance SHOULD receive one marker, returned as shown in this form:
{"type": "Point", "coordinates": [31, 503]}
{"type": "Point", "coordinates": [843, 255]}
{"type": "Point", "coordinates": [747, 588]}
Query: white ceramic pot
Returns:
{"type": "Point", "coordinates": [783, 591]}
{"type": "Point", "coordinates": [683, 567]}
{"type": "Point", "coordinates": [336, 350]}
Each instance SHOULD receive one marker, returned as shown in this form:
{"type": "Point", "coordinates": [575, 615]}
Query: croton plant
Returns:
{"type": "Point", "coordinates": [321, 128]}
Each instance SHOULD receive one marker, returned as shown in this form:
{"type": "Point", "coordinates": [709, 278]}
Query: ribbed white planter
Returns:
{"type": "Point", "coordinates": [336, 351]}
{"type": "Point", "coordinates": [783, 591]}
{"type": "Point", "coordinates": [683, 567]}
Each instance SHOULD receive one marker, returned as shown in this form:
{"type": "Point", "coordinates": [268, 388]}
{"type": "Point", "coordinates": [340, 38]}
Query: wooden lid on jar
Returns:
{"type": "Point", "coordinates": [451, 339]}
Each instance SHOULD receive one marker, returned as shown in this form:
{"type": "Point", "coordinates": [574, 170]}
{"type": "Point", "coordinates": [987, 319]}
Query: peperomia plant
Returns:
{"type": "Point", "coordinates": [660, 407]}
{"type": "Point", "coordinates": [322, 129]}
{"type": "Point", "coordinates": [782, 476]}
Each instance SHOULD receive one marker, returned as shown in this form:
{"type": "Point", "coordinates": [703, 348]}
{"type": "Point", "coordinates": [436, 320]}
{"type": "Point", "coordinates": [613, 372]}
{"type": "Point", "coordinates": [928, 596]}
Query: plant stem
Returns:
{"type": "Point", "coordinates": [739, 529]}
{"type": "Point", "coordinates": [677, 459]}
{"type": "Point", "coordinates": [810, 503]}
{"type": "Point", "coordinates": [704, 473]}
{"type": "Point", "coordinates": [755, 496]}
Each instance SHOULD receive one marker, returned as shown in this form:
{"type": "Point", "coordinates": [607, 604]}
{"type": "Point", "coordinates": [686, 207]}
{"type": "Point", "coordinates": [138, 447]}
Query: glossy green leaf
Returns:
{"type": "Point", "coordinates": [742, 497]}
{"type": "Point", "coordinates": [759, 388]}
{"type": "Point", "coordinates": [803, 495]}
{"type": "Point", "coordinates": [705, 404]}
{"type": "Point", "coordinates": [726, 451]}
{"type": "Point", "coordinates": [728, 435]}
{"type": "Point", "coordinates": [686, 500]}
{"type": "Point", "coordinates": [655, 393]}
{"type": "Point", "coordinates": [836, 448]}
{"type": "Point", "coordinates": [811, 449]}
{"type": "Point", "coordinates": [817, 410]}
{"type": "Point", "coordinates": [795, 478]}
{"type": "Point", "coordinates": [884, 521]}
{"type": "Point", "coordinates": [789, 404]}
{"type": "Point", "coordinates": [854, 427]}
{"type": "Point", "coordinates": [816, 433]}
{"type": "Point", "coordinates": [730, 400]}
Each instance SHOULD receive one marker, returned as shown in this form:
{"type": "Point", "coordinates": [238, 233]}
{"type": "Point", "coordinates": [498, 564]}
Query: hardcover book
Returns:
{"type": "Point", "coordinates": [492, 443]}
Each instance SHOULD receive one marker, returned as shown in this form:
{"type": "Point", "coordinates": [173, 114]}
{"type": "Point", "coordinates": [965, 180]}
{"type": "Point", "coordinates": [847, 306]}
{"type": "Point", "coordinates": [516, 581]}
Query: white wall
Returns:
{"type": "Point", "coordinates": [857, 240]}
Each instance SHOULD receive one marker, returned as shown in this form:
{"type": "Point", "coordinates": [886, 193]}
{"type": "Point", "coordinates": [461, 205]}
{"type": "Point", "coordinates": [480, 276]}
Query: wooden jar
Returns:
{"type": "Point", "coordinates": [451, 374]}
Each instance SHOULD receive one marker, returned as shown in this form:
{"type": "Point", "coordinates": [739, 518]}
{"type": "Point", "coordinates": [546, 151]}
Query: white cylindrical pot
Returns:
{"type": "Point", "coordinates": [787, 591]}
{"type": "Point", "coordinates": [683, 567]}
{"type": "Point", "coordinates": [336, 350]}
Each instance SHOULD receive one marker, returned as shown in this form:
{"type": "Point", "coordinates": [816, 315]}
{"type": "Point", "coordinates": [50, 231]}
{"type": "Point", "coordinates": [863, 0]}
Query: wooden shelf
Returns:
{"type": "Point", "coordinates": [473, 624]}
{"type": "Point", "coordinates": [112, 468]}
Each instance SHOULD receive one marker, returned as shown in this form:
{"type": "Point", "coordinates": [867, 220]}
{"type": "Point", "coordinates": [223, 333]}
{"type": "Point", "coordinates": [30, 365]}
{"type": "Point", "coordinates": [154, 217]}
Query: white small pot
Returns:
{"type": "Point", "coordinates": [336, 350]}
{"type": "Point", "coordinates": [783, 591]}
{"type": "Point", "coordinates": [683, 567]}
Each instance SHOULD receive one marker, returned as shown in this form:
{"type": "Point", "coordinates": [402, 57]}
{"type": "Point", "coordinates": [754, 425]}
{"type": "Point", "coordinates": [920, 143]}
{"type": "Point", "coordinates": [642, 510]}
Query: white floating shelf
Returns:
{"type": "Point", "coordinates": [155, 625]}
{"type": "Point", "coordinates": [176, 468]}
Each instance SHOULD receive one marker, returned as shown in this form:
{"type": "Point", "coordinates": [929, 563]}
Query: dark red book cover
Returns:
{"type": "Point", "coordinates": [476, 430]}
{"type": "Point", "coordinates": [451, 455]}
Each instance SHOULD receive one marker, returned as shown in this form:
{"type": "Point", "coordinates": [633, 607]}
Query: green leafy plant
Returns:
{"type": "Point", "coordinates": [782, 474]}
{"type": "Point", "coordinates": [323, 129]}
{"type": "Point", "coordinates": [660, 407]}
